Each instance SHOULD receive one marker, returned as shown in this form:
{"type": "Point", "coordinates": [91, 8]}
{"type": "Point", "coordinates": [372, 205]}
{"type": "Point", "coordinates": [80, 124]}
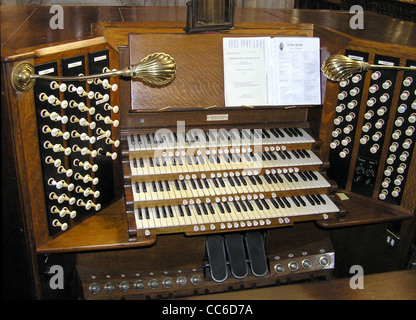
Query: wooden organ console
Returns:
{"type": "Point", "coordinates": [159, 192]}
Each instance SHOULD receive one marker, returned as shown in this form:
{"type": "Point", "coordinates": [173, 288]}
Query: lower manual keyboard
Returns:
{"type": "Point", "coordinates": [235, 215]}
{"type": "Point", "coordinates": [286, 183]}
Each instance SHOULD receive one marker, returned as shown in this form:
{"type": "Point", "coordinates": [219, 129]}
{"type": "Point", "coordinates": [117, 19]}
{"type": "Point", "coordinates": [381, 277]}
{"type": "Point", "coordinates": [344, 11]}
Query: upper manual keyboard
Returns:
{"type": "Point", "coordinates": [196, 139]}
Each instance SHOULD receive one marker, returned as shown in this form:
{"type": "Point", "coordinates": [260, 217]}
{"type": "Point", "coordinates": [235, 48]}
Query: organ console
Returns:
{"type": "Point", "coordinates": [152, 188]}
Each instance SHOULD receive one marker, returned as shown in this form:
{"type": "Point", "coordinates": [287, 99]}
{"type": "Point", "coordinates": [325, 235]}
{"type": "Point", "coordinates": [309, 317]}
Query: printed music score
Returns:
{"type": "Point", "coordinates": [264, 71]}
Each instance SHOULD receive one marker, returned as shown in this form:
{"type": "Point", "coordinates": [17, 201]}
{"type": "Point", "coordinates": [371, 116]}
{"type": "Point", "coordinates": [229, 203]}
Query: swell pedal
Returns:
{"type": "Point", "coordinates": [236, 255]}
{"type": "Point", "coordinates": [256, 253]}
{"type": "Point", "coordinates": [217, 258]}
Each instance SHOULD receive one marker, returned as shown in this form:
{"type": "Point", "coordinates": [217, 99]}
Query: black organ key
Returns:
{"type": "Point", "coordinates": [302, 175]}
{"type": "Point", "coordinates": [204, 208]}
{"type": "Point", "coordinates": [265, 204]}
{"type": "Point", "coordinates": [321, 199]}
{"type": "Point", "coordinates": [211, 209]}
{"type": "Point", "coordinates": [243, 206]}
{"type": "Point", "coordinates": [298, 132]}
{"type": "Point", "coordinates": [306, 173]}
{"type": "Point", "coordinates": [307, 155]}
{"type": "Point", "coordinates": [167, 186]}
{"type": "Point", "coordinates": [139, 210]}
{"type": "Point", "coordinates": [309, 198]}
{"type": "Point", "coordinates": [280, 202]}
{"type": "Point", "coordinates": [221, 207]}
{"type": "Point", "coordinates": [287, 177]}
{"type": "Point", "coordinates": [237, 207]}
{"type": "Point", "coordinates": [295, 201]}
{"type": "Point", "coordinates": [198, 210]}
{"type": "Point", "coordinates": [268, 180]}
{"type": "Point", "coordinates": [278, 177]}
{"type": "Point", "coordinates": [302, 202]}
{"type": "Point", "coordinates": [171, 214]}
{"type": "Point", "coordinates": [293, 176]}
{"type": "Point", "coordinates": [243, 180]}
{"type": "Point", "coordinates": [199, 183]}
{"type": "Point", "coordinates": [188, 211]}
{"type": "Point", "coordinates": [294, 133]}
{"type": "Point", "coordinates": [258, 204]}
{"type": "Point", "coordinates": [287, 131]}
{"type": "Point", "coordinates": [227, 207]}
{"type": "Point", "coordinates": [314, 176]}
{"type": "Point", "coordinates": [181, 213]}
{"type": "Point", "coordinates": [221, 182]}
{"type": "Point", "coordinates": [249, 206]}
{"type": "Point", "coordinates": [274, 202]}
{"type": "Point", "coordinates": [165, 215]}
{"type": "Point", "coordinates": [287, 203]}
{"type": "Point", "coordinates": [315, 199]}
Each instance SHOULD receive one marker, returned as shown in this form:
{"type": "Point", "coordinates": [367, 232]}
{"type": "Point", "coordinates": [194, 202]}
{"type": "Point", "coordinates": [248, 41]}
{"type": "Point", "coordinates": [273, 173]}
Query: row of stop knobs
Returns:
{"type": "Point", "coordinates": [140, 285]}
{"type": "Point", "coordinates": [306, 264]}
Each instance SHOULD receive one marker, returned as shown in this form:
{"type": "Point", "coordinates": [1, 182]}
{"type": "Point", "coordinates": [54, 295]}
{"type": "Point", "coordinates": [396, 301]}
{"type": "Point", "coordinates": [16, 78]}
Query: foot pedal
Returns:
{"type": "Point", "coordinates": [256, 253]}
{"type": "Point", "coordinates": [217, 258]}
{"type": "Point", "coordinates": [236, 255]}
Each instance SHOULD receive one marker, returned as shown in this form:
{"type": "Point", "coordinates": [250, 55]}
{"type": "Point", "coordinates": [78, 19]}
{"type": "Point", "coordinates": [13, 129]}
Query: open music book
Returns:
{"type": "Point", "coordinates": [265, 71]}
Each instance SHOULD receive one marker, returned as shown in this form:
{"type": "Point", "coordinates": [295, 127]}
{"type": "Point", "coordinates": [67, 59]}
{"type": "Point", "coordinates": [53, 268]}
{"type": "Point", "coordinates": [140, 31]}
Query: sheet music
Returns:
{"type": "Point", "coordinates": [297, 78]}
{"type": "Point", "coordinates": [260, 71]}
{"type": "Point", "coordinates": [245, 63]}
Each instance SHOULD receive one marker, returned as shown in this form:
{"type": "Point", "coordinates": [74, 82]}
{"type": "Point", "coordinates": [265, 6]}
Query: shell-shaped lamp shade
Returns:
{"type": "Point", "coordinates": [157, 69]}
{"type": "Point", "coordinates": [338, 67]}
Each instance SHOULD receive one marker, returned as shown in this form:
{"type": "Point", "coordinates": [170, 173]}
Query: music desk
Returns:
{"type": "Point", "coordinates": [397, 285]}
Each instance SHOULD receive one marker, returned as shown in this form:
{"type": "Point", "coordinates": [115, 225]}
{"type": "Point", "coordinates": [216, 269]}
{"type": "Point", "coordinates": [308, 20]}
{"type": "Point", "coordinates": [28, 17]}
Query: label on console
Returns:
{"type": "Point", "coordinates": [217, 117]}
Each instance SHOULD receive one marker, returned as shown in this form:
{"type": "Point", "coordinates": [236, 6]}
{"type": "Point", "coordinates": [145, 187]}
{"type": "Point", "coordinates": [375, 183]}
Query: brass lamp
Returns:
{"type": "Point", "coordinates": [157, 69]}
{"type": "Point", "coordinates": [338, 67]}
